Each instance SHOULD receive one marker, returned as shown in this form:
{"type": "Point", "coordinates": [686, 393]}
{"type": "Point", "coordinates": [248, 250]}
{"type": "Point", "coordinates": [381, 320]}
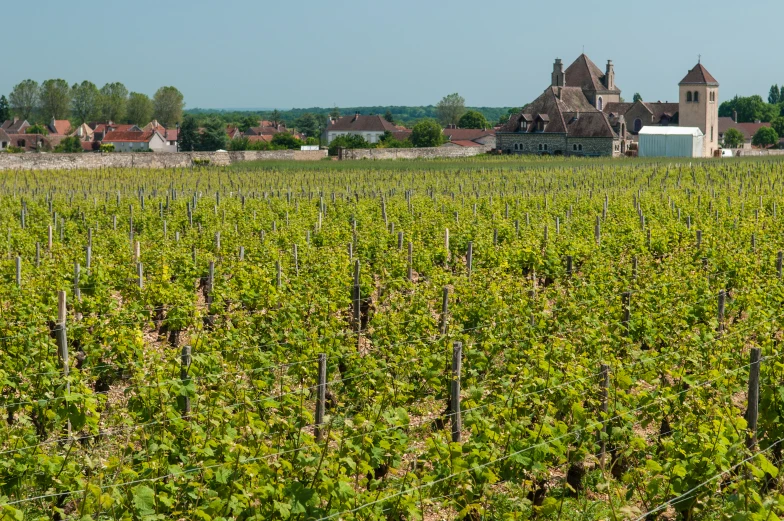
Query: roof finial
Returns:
{"type": "Point", "coordinates": [699, 58]}
{"type": "Point", "coordinates": [583, 48]}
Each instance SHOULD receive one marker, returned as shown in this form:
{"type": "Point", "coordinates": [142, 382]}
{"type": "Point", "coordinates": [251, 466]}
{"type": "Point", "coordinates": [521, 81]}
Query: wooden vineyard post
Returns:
{"type": "Point", "coordinates": [597, 232]}
{"type": "Point", "coordinates": [77, 291]}
{"type": "Point", "coordinates": [185, 364]}
{"type": "Point", "coordinates": [399, 241]}
{"type": "Point", "coordinates": [626, 298]}
{"type": "Point", "coordinates": [279, 273]}
{"type": "Point", "coordinates": [446, 243]}
{"type": "Point", "coordinates": [779, 258]}
{"type": "Point", "coordinates": [699, 239]}
{"type": "Point", "coordinates": [140, 274]}
{"type": "Point", "coordinates": [410, 261]}
{"type": "Point", "coordinates": [605, 375]}
{"type": "Point", "coordinates": [634, 267]}
{"type": "Point", "coordinates": [37, 254]}
{"type": "Point", "coordinates": [49, 239]}
{"type": "Point", "coordinates": [62, 343]}
{"type": "Point", "coordinates": [210, 282]}
{"type": "Point", "coordinates": [569, 265]}
{"type": "Point", "coordinates": [470, 258]}
{"type": "Point", "coordinates": [356, 298]}
{"type": "Point", "coordinates": [18, 271]}
{"type": "Point", "coordinates": [457, 363]}
{"type": "Point", "coordinates": [296, 261]}
{"type": "Point", "coordinates": [722, 297]}
{"type": "Point", "coordinates": [242, 253]}
{"type": "Point", "coordinates": [321, 395]}
{"type": "Point", "coordinates": [444, 310]}
{"type": "Point", "coordinates": [752, 410]}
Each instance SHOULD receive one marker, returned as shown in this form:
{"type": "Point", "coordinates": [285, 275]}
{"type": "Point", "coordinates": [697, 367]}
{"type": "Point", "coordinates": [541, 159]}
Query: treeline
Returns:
{"type": "Point", "coordinates": [753, 108]}
{"type": "Point", "coordinates": [401, 115]}
{"type": "Point", "coordinates": [83, 102]}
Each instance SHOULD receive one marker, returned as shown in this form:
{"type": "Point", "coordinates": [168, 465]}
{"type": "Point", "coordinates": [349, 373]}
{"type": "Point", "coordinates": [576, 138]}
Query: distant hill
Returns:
{"type": "Point", "coordinates": [403, 115]}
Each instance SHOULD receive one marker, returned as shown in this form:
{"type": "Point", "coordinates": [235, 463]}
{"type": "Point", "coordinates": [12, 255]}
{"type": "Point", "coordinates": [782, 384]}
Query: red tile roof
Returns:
{"type": "Point", "coordinates": [465, 143]}
{"type": "Point", "coordinates": [60, 126]}
{"type": "Point", "coordinates": [128, 137]}
{"type": "Point", "coordinates": [467, 134]}
{"type": "Point", "coordinates": [263, 137]}
{"type": "Point", "coordinates": [90, 146]}
{"type": "Point", "coordinates": [747, 129]}
{"type": "Point", "coordinates": [360, 123]}
{"type": "Point", "coordinates": [699, 75]}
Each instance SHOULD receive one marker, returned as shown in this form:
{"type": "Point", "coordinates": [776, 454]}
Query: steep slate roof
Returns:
{"type": "Point", "coordinates": [617, 108]}
{"type": "Point", "coordinates": [263, 137]}
{"type": "Point", "coordinates": [465, 143]}
{"type": "Point", "coordinates": [660, 109]}
{"type": "Point", "coordinates": [401, 135]}
{"type": "Point", "coordinates": [4, 136]}
{"type": "Point", "coordinates": [15, 126]}
{"type": "Point", "coordinates": [128, 137]}
{"type": "Point", "coordinates": [587, 75]}
{"type": "Point", "coordinates": [360, 123]}
{"type": "Point", "coordinates": [699, 75]}
{"type": "Point", "coordinates": [571, 114]}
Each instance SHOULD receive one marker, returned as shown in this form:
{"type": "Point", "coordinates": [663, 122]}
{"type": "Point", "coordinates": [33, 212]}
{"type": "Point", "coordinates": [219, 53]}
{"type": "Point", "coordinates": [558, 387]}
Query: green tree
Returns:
{"type": "Point", "coordinates": [764, 137]}
{"type": "Point", "coordinates": [388, 116]}
{"type": "Point", "coordinates": [5, 109]}
{"type": "Point", "coordinates": [213, 136]}
{"type": "Point", "coordinates": [450, 108]}
{"type": "Point", "coordinates": [308, 124]}
{"type": "Point", "coordinates": [774, 95]}
{"type": "Point", "coordinates": [275, 117]}
{"type": "Point", "coordinates": [24, 98]}
{"type": "Point", "coordinates": [189, 134]}
{"type": "Point", "coordinates": [636, 97]}
{"type": "Point", "coordinates": [139, 109]}
{"type": "Point", "coordinates": [239, 144]}
{"type": "Point", "coordinates": [113, 102]}
{"type": "Point", "coordinates": [778, 125]}
{"type": "Point", "coordinates": [509, 113]}
{"type": "Point", "coordinates": [733, 138]}
{"type": "Point", "coordinates": [286, 140]}
{"type": "Point", "coordinates": [84, 104]}
{"type": "Point", "coordinates": [69, 145]}
{"type": "Point", "coordinates": [248, 122]}
{"type": "Point", "coordinates": [749, 109]}
{"type": "Point", "coordinates": [55, 99]}
{"type": "Point", "coordinates": [473, 119]}
{"type": "Point", "coordinates": [168, 103]}
{"type": "Point", "coordinates": [334, 113]}
{"type": "Point", "coordinates": [37, 129]}
{"type": "Point", "coordinates": [427, 133]}
{"type": "Point", "coordinates": [347, 141]}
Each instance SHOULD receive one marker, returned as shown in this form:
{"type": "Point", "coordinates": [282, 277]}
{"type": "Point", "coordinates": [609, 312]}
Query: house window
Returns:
{"type": "Point", "coordinates": [580, 148]}
{"type": "Point", "coordinates": [523, 125]}
{"type": "Point", "coordinates": [545, 147]}
{"type": "Point", "coordinates": [688, 96]}
{"type": "Point", "coordinates": [637, 125]}
{"type": "Point", "coordinates": [599, 103]}
{"type": "Point", "coordinates": [711, 132]}
{"type": "Point", "coordinates": [574, 148]}
{"type": "Point", "coordinates": [696, 96]}
{"type": "Point", "coordinates": [540, 147]}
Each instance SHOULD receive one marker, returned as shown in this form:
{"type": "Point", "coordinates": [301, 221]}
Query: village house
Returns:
{"type": "Point", "coordinates": [5, 140]}
{"type": "Point", "coordinates": [136, 141]}
{"type": "Point", "coordinates": [15, 126]}
{"type": "Point", "coordinates": [746, 129]}
{"type": "Point", "coordinates": [469, 137]}
{"type": "Point", "coordinates": [59, 127]}
{"type": "Point", "coordinates": [371, 128]}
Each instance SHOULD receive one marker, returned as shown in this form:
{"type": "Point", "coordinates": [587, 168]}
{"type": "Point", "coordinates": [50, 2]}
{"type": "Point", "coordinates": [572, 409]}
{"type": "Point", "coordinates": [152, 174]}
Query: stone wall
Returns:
{"type": "Point", "coordinates": [414, 153]}
{"type": "Point", "coordinates": [148, 159]}
{"type": "Point", "coordinates": [753, 152]}
{"type": "Point", "coordinates": [534, 143]}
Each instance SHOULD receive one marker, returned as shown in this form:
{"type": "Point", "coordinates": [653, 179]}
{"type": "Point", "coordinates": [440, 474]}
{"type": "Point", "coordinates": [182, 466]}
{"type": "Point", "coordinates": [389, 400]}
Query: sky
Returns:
{"type": "Point", "coordinates": [308, 53]}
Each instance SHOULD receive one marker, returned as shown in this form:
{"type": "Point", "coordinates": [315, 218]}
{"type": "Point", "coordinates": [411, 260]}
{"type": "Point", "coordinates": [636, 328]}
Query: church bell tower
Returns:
{"type": "Point", "coordinates": [699, 106]}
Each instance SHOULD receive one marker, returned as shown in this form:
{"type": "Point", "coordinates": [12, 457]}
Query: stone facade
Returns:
{"type": "Point", "coordinates": [702, 113]}
{"type": "Point", "coordinates": [557, 145]}
{"type": "Point", "coordinates": [148, 160]}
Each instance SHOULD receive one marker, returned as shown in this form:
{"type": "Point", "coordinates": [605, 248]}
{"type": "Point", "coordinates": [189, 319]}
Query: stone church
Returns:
{"type": "Point", "coordinates": [581, 113]}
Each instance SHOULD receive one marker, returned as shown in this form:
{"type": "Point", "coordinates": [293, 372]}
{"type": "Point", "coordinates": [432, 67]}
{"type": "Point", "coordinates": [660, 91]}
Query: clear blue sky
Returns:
{"type": "Point", "coordinates": [304, 53]}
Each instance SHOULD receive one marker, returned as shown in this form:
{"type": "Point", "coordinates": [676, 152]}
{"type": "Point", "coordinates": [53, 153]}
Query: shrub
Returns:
{"type": "Point", "coordinates": [347, 141]}
{"type": "Point", "coordinates": [15, 150]}
{"type": "Point", "coordinates": [201, 161]}
{"type": "Point", "coordinates": [109, 147]}
{"type": "Point", "coordinates": [69, 145]}
{"type": "Point", "coordinates": [427, 133]}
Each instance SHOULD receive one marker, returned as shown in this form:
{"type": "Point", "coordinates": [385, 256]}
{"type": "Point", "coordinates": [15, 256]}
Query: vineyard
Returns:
{"type": "Point", "coordinates": [473, 340]}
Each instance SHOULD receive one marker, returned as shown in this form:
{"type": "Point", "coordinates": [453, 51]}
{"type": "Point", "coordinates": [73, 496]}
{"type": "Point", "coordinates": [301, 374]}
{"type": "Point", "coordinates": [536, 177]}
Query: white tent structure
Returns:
{"type": "Point", "coordinates": [670, 142]}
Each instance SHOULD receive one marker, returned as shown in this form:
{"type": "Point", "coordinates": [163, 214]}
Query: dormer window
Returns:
{"type": "Point", "coordinates": [523, 125]}
{"type": "Point", "coordinates": [600, 103]}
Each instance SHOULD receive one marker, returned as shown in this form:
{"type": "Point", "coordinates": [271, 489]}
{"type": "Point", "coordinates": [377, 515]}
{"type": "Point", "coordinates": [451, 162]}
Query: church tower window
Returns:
{"type": "Point", "coordinates": [599, 103]}
{"type": "Point", "coordinates": [696, 96]}
{"type": "Point", "coordinates": [688, 96]}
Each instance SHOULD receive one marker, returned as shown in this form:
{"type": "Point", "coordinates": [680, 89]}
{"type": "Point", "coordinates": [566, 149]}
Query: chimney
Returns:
{"type": "Point", "coordinates": [558, 76]}
{"type": "Point", "coordinates": [356, 116]}
{"type": "Point", "coordinates": [609, 76]}
{"type": "Point", "coordinates": [735, 116]}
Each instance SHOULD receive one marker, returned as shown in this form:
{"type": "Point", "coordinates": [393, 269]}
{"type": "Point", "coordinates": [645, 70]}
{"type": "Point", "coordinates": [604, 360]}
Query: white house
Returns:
{"type": "Point", "coordinates": [132, 141]}
{"type": "Point", "coordinates": [371, 128]}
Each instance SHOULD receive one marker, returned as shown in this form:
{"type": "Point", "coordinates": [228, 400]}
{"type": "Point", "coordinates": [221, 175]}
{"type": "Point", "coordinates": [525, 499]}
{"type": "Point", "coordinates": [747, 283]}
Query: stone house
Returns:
{"type": "Point", "coordinates": [642, 113]}
{"type": "Point", "coordinates": [371, 128]}
{"type": "Point", "coordinates": [747, 129]}
{"type": "Point", "coordinates": [59, 127]}
{"type": "Point", "coordinates": [5, 140]}
{"type": "Point", "coordinates": [466, 136]}
{"type": "Point", "coordinates": [568, 118]}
